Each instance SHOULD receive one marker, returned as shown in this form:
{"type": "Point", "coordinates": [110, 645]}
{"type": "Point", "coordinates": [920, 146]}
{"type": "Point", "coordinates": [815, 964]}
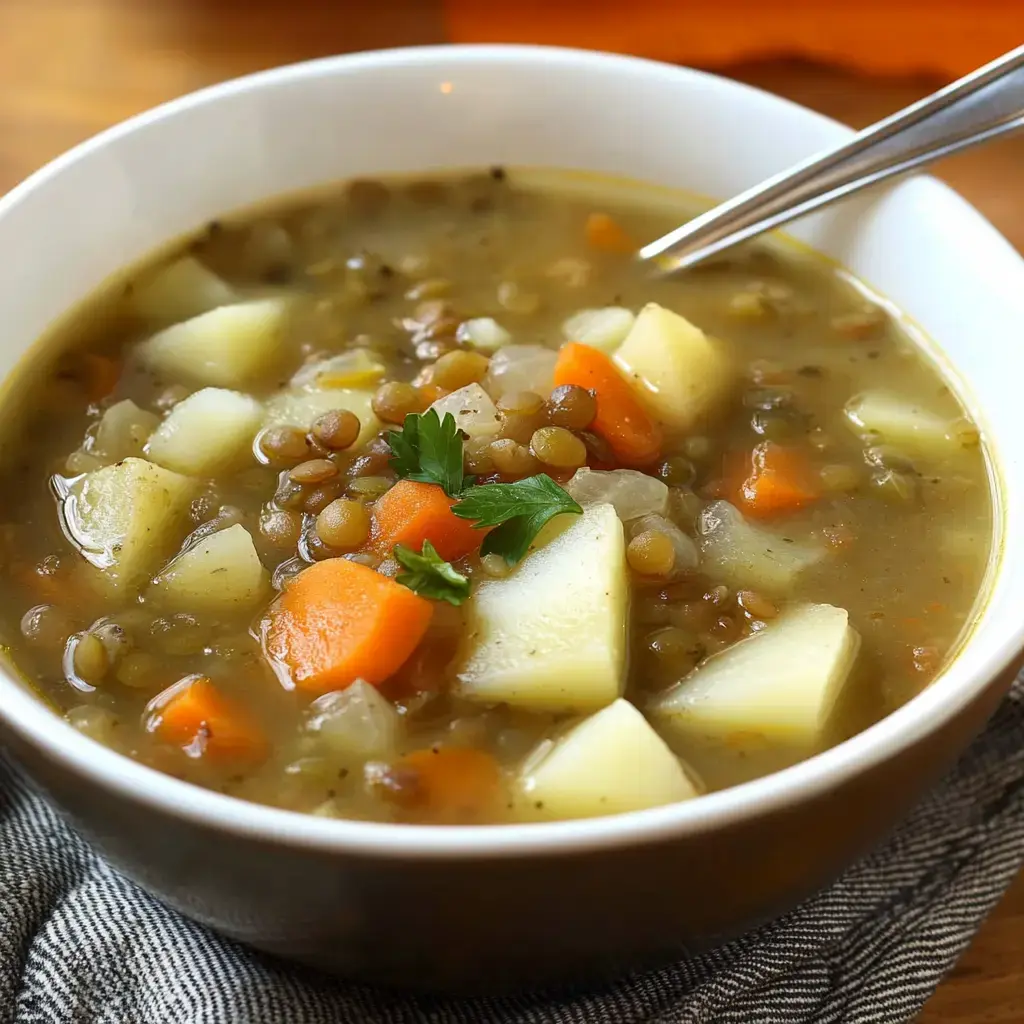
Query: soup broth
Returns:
{"type": "Point", "coordinates": [423, 501]}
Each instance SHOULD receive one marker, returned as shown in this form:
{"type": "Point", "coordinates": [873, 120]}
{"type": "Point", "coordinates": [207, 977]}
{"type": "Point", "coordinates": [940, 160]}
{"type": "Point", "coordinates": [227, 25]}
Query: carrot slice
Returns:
{"type": "Point", "coordinates": [339, 621]}
{"type": "Point", "coordinates": [411, 512]}
{"type": "Point", "coordinates": [447, 785]}
{"type": "Point", "coordinates": [101, 374]}
{"type": "Point", "coordinates": [621, 418]}
{"type": "Point", "coordinates": [779, 480]}
{"type": "Point", "coordinates": [606, 234]}
{"type": "Point", "coordinates": [193, 713]}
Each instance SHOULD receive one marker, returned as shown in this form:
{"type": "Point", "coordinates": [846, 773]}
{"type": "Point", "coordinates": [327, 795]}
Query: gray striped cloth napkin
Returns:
{"type": "Point", "coordinates": [81, 945]}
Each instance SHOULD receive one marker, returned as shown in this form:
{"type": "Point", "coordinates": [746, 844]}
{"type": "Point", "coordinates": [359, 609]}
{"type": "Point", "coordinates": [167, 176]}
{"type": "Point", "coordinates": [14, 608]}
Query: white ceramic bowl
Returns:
{"type": "Point", "coordinates": [488, 907]}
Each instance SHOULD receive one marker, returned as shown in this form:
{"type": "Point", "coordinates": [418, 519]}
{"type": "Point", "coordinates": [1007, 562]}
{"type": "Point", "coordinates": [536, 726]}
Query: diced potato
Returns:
{"type": "Point", "coordinates": [123, 431]}
{"type": "Point", "coordinates": [357, 368]}
{"type": "Point", "coordinates": [552, 635]}
{"type": "Point", "coordinates": [604, 329]}
{"type": "Point", "coordinates": [226, 347]}
{"type": "Point", "coordinates": [683, 376]}
{"type": "Point", "coordinates": [744, 555]}
{"type": "Point", "coordinates": [633, 494]}
{"type": "Point", "coordinates": [182, 289]}
{"type": "Point", "coordinates": [780, 684]}
{"type": "Point", "coordinates": [220, 572]}
{"type": "Point", "coordinates": [473, 410]}
{"type": "Point", "coordinates": [610, 763]}
{"type": "Point", "coordinates": [892, 419]}
{"type": "Point", "coordinates": [208, 433]}
{"type": "Point", "coordinates": [127, 518]}
{"type": "Point", "coordinates": [298, 408]}
{"type": "Point", "coordinates": [521, 368]}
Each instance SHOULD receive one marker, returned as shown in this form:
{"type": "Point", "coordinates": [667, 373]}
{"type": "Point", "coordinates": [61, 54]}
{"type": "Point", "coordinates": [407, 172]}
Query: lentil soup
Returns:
{"type": "Point", "coordinates": [422, 501]}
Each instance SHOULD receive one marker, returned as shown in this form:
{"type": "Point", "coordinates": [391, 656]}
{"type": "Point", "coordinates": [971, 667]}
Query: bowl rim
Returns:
{"type": "Point", "coordinates": [41, 728]}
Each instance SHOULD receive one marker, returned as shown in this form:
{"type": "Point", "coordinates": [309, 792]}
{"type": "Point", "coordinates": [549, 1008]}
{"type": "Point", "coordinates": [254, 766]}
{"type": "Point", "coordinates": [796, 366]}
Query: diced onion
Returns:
{"type": "Point", "coordinates": [603, 329]}
{"type": "Point", "coordinates": [356, 722]}
{"type": "Point", "coordinates": [521, 368]}
{"type": "Point", "coordinates": [632, 493]}
{"type": "Point", "coordinates": [484, 334]}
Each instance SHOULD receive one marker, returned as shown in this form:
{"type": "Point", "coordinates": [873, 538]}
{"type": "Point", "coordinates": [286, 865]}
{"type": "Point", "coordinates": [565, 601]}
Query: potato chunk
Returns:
{"type": "Point", "coordinates": [474, 412]}
{"type": "Point", "coordinates": [609, 763]}
{"type": "Point", "coordinates": [683, 376]}
{"type": "Point", "coordinates": [552, 636]}
{"type": "Point", "coordinates": [126, 519]}
{"type": "Point", "coordinates": [780, 684]}
{"type": "Point", "coordinates": [881, 416]}
{"type": "Point", "coordinates": [744, 555]}
{"type": "Point", "coordinates": [208, 433]}
{"type": "Point", "coordinates": [228, 346]}
{"type": "Point", "coordinates": [182, 289]}
{"type": "Point", "coordinates": [219, 573]}
{"type": "Point", "coordinates": [123, 431]}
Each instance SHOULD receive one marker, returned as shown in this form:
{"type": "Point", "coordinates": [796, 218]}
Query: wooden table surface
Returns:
{"type": "Point", "coordinates": [69, 68]}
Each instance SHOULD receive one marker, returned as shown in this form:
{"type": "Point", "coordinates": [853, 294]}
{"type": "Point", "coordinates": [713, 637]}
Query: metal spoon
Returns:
{"type": "Point", "coordinates": [982, 106]}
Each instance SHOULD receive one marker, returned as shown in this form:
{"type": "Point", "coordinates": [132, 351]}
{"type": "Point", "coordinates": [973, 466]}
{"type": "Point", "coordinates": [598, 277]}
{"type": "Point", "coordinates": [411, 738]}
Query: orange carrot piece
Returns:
{"type": "Point", "coordinates": [449, 785]}
{"type": "Point", "coordinates": [339, 621]}
{"type": "Point", "coordinates": [779, 480]}
{"type": "Point", "coordinates": [101, 375]}
{"type": "Point", "coordinates": [621, 417]}
{"type": "Point", "coordinates": [194, 714]}
{"type": "Point", "coordinates": [607, 235]}
{"type": "Point", "coordinates": [411, 512]}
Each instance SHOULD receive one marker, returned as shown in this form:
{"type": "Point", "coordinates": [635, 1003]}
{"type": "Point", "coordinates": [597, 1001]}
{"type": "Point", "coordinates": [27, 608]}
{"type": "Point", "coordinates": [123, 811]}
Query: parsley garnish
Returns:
{"type": "Point", "coordinates": [430, 576]}
{"type": "Point", "coordinates": [429, 449]}
{"type": "Point", "coordinates": [518, 511]}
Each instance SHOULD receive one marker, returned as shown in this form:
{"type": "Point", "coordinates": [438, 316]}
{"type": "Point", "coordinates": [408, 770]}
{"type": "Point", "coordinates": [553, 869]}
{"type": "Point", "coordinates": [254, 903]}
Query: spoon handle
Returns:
{"type": "Point", "coordinates": [981, 106]}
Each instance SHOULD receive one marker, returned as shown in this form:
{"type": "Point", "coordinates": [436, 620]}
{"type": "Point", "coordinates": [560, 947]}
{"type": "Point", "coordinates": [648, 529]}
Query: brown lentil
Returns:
{"type": "Point", "coordinates": [756, 605]}
{"type": "Point", "coordinates": [520, 426]}
{"type": "Point", "coordinates": [674, 650]}
{"type": "Point", "coordinates": [344, 524]}
{"type": "Point", "coordinates": [336, 430]}
{"type": "Point", "coordinates": [513, 459]}
{"type": "Point", "coordinates": [322, 495]}
{"type": "Point", "coordinates": [456, 369]}
{"type": "Point", "coordinates": [315, 471]}
{"type": "Point", "coordinates": [572, 407]}
{"type": "Point", "coordinates": [140, 670]}
{"type": "Point", "coordinates": [280, 527]}
{"type": "Point", "coordinates": [283, 445]}
{"type": "Point", "coordinates": [677, 471]}
{"type": "Point", "coordinates": [523, 403]}
{"type": "Point", "coordinates": [89, 659]}
{"type": "Point", "coordinates": [558, 447]}
{"type": "Point", "coordinates": [369, 487]}
{"type": "Point", "coordinates": [651, 553]}
{"type": "Point", "coordinates": [395, 400]}
{"type": "Point", "coordinates": [598, 449]}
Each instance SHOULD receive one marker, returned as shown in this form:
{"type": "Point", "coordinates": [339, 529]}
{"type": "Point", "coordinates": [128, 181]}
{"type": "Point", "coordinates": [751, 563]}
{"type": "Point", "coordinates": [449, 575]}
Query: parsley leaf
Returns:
{"type": "Point", "coordinates": [519, 511]}
{"type": "Point", "coordinates": [430, 576]}
{"type": "Point", "coordinates": [429, 449]}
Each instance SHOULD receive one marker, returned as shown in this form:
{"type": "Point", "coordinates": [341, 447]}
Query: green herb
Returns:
{"type": "Point", "coordinates": [430, 576]}
{"type": "Point", "coordinates": [429, 449]}
{"type": "Point", "coordinates": [519, 511]}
